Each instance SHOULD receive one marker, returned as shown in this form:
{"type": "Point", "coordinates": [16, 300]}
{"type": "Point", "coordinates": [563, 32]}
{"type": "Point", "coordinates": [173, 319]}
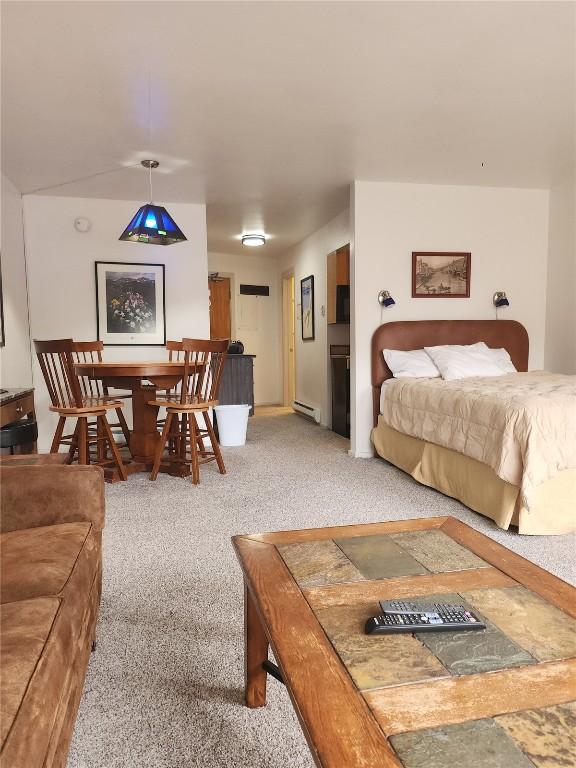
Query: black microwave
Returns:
{"type": "Point", "coordinates": [342, 303]}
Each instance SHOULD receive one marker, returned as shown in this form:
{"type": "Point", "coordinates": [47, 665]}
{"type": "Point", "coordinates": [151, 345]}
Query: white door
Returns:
{"type": "Point", "coordinates": [289, 338]}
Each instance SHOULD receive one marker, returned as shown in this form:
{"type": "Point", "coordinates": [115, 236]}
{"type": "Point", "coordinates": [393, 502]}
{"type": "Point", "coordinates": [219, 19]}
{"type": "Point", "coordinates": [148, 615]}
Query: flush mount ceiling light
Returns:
{"type": "Point", "coordinates": [152, 224]}
{"type": "Point", "coordinates": [253, 241]}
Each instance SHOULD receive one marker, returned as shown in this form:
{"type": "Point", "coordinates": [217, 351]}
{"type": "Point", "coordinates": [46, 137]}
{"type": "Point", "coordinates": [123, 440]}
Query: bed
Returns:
{"type": "Point", "coordinates": [550, 507]}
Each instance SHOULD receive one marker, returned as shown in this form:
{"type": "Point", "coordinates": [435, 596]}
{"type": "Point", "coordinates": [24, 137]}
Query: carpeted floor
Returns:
{"type": "Point", "coordinates": [164, 688]}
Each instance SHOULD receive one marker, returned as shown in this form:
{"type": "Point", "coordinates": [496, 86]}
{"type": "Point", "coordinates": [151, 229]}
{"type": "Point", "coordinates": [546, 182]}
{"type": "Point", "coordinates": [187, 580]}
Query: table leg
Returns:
{"type": "Point", "coordinates": [144, 436]}
{"type": "Point", "coordinates": [255, 654]}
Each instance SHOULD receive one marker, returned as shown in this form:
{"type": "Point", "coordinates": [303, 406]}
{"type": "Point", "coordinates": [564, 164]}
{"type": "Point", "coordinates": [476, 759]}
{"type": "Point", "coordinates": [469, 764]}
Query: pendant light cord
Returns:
{"type": "Point", "coordinates": [81, 178]}
{"type": "Point", "coordinates": [150, 130]}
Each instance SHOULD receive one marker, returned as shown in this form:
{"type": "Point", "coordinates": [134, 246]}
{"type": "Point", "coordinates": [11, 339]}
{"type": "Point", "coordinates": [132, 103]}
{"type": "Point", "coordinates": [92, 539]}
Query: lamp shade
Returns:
{"type": "Point", "coordinates": [153, 224]}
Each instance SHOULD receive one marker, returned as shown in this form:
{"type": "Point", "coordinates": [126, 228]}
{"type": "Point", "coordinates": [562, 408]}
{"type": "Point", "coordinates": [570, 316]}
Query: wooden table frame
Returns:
{"type": "Point", "coordinates": [133, 376]}
{"type": "Point", "coordinates": [340, 727]}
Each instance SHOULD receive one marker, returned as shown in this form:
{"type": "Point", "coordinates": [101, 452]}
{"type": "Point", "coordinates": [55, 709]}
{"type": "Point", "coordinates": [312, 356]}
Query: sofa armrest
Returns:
{"type": "Point", "coordinates": [32, 496]}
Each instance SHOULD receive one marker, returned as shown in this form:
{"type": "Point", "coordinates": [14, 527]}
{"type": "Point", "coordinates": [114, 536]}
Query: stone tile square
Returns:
{"type": "Point", "coordinates": [546, 632]}
{"type": "Point", "coordinates": [375, 662]}
{"type": "Point", "coordinates": [437, 551]}
{"type": "Point", "coordinates": [318, 562]}
{"type": "Point", "coordinates": [380, 557]}
{"type": "Point", "coordinates": [547, 736]}
{"type": "Point", "coordinates": [468, 653]}
{"type": "Point", "coordinates": [476, 744]}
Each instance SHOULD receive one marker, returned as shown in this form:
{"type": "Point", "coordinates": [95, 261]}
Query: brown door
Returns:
{"type": "Point", "coordinates": [220, 325]}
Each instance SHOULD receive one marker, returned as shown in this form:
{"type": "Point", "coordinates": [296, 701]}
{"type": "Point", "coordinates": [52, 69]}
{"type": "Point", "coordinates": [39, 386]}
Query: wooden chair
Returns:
{"type": "Point", "coordinates": [91, 352]}
{"type": "Point", "coordinates": [203, 365]}
{"type": "Point", "coordinates": [176, 355]}
{"type": "Point", "coordinates": [57, 364]}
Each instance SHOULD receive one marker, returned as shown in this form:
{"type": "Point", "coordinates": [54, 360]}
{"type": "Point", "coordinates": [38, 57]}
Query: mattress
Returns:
{"type": "Point", "coordinates": [522, 425]}
{"type": "Point", "coordinates": [477, 485]}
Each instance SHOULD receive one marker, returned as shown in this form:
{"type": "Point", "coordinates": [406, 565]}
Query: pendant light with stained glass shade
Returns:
{"type": "Point", "coordinates": [152, 223]}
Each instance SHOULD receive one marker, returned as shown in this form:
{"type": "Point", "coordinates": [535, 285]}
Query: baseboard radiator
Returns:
{"type": "Point", "coordinates": [307, 410]}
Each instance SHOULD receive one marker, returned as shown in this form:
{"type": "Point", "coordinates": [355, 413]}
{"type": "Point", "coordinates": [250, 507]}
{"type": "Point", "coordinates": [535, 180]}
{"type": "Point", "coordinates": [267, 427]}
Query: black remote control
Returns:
{"type": "Point", "coordinates": [400, 606]}
{"type": "Point", "coordinates": [444, 619]}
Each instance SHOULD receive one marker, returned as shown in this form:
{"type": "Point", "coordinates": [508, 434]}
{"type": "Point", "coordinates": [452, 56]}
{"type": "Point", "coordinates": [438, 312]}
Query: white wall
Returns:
{"type": "Point", "coordinates": [506, 230]}
{"type": "Point", "coordinates": [62, 283]}
{"type": "Point", "coordinates": [312, 363]}
{"type": "Point", "coordinates": [256, 320]}
{"type": "Point", "coordinates": [15, 362]}
{"type": "Point", "coordinates": [561, 305]}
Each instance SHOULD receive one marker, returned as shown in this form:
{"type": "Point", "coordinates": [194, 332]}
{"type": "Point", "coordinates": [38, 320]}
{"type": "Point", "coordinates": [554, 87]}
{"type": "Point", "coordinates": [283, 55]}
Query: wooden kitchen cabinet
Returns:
{"type": "Point", "coordinates": [338, 275]}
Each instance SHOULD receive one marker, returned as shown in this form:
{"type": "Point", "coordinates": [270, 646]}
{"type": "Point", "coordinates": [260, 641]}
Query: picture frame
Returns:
{"type": "Point", "coordinates": [2, 337]}
{"type": "Point", "coordinates": [130, 303]}
{"type": "Point", "coordinates": [307, 308]}
{"type": "Point", "coordinates": [441, 275]}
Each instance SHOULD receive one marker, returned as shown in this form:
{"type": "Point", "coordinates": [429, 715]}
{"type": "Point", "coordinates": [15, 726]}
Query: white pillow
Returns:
{"type": "Point", "coordinates": [414, 364]}
{"type": "Point", "coordinates": [500, 356]}
{"type": "Point", "coordinates": [456, 361]}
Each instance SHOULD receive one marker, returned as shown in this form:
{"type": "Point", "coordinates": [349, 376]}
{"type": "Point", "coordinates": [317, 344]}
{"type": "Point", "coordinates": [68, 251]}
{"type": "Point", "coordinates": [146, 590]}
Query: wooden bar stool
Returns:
{"type": "Point", "coordinates": [203, 365]}
{"type": "Point", "coordinates": [175, 355]}
{"type": "Point", "coordinates": [57, 364]}
{"type": "Point", "coordinates": [91, 352]}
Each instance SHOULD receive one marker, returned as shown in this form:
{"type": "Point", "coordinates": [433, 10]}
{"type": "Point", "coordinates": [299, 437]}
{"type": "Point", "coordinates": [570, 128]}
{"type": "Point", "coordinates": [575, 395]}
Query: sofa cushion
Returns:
{"type": "Point", "coordinates": [24, 629]}
{"type": "Point", "coordinates": [33, 496]}
{"type": "Point", "coordinates": [38, 562]}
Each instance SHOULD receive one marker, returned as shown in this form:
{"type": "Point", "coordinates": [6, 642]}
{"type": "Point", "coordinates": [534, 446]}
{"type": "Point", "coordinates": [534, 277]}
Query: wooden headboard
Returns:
{"type": "Point", "coordinates": [416, 334]}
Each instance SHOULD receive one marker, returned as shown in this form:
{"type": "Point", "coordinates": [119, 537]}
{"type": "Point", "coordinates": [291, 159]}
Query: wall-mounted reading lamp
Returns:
{"type": "Point", "coordinates": [385, 300]}
{"type": "Point", "coordinates": [500, 299]}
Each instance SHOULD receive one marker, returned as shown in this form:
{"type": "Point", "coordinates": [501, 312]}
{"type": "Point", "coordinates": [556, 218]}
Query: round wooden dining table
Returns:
{"type": "Point", "coordinates": [143, 379]}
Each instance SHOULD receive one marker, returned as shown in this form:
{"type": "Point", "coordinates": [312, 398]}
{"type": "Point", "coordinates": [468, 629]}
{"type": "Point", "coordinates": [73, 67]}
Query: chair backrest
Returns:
{"type": "Point", "coordinates": [89, 352]}
{"type": "Point", "coordinates": [57, 364]}
{"type": "Point", "coordinates": [203, 365]}
{"type": "Point", "coordinates": [175, 351]}
{"type": "Point", "coordinates": [175, 354]}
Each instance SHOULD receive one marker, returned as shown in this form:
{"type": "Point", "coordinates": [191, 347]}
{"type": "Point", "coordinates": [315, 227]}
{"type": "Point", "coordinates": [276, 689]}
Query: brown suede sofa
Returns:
{"type": "Point", "coordinates": [51, 575]}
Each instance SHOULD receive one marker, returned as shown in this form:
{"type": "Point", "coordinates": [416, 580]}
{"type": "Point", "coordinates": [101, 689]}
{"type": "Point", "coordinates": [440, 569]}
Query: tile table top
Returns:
{"type": "Point", "coordinates": [503, 697]}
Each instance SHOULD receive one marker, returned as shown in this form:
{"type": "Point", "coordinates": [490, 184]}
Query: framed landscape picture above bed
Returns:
{"type": "Point", "coordinates": [440, 275]}
{"type": "Point", "coordinates": [130, 303]}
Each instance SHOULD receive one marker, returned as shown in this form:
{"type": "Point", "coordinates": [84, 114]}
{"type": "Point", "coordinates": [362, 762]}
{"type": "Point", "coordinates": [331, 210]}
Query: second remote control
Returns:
{"type": "Point", "coordinates": [442, 620]}
{"type": "Point", "coordinates": [401, 606]}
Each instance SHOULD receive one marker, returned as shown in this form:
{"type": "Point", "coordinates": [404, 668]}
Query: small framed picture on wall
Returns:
{"type": "Point", "coordinates": [307, 304]}
{"type": "Point", "coordinates": [130, 304]}
{"type": "Point", "coordinates": [2, 340]}
{"type": "Point", "coordinates": [440, 275]}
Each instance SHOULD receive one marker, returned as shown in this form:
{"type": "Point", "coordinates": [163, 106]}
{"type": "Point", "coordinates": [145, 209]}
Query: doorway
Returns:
{"type": "Point", "coordinates": [289, 337]}
{"type": "Point", "coordinates": [220, 316]}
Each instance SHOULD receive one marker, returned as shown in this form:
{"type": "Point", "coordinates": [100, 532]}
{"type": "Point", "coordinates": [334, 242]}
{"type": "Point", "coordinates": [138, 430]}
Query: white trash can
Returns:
{"type": "Point", "coordinates": [232, 424]}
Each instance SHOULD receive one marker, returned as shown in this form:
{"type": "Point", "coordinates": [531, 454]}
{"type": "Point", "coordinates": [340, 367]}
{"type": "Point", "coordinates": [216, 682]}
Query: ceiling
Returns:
{"type": "Point", "coordinates": [267, 111]}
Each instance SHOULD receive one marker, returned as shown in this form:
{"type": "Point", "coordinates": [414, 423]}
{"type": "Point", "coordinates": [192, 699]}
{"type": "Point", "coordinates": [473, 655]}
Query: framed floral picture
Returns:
{"type": "Point", "coordinates": [130, 304]}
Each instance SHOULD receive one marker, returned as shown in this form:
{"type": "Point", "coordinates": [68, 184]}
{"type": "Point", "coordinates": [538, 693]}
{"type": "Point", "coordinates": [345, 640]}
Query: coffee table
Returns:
{"type": "Point", "coordinates": [503, 697]}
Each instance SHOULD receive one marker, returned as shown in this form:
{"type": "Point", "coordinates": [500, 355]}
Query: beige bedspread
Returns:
{"type": "Point", "coordinates": [523, 425]}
